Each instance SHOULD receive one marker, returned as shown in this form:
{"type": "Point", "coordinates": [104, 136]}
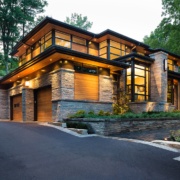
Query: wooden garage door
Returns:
{"type": "Point", "coordinates": [44, 104]}
{"type": "Point", "coordinates": [17, 108]}
{"type": "Point", "coordinates": [86, 87]}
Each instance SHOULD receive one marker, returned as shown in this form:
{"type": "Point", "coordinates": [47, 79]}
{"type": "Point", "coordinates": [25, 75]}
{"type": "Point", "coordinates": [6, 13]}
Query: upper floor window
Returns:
{"type": "Point", "coordinates": [63, 39]}
{"type": "Point", "coordinates": [170, 65]}
{"type": "Point", "coordinates": [103, 49]}
{"type": "Point", "coordinates": [118, 49]}
{"type": "Point", "coordinates": [79, 44]}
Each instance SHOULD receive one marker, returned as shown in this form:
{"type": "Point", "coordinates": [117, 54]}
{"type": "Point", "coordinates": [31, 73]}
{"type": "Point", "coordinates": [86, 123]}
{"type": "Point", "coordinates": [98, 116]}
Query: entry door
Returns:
{"type": "Point", "coordinates": [16, 108]}
{"type": "Point", "coordinates": [43, 104]}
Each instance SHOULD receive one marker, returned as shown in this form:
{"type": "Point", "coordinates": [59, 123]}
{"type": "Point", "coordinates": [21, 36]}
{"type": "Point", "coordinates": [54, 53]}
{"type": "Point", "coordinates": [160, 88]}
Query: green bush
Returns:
{"type": "Point", "coordinates": [91, 112]}
{"type": "Point", "coordinates": [101, 113]}
{"type": "Point", "coordinates": [78, 114]}
{"type": "Point", "coordinates": [175, 135]}
{"type": "Point", "coordinates": [122, 104]}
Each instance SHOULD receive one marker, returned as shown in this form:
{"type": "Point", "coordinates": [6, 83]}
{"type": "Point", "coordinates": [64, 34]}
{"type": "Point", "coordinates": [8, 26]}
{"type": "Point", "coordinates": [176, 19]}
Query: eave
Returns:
{"type": "Point", "coordinates": [55, 53]}
{"type": "Point", "coordinates": [135, 56]}
{"type": "Point", "coordinates": [174, 75]}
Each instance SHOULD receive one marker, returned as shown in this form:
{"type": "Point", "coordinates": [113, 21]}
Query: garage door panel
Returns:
{"type": "Point", "coordinates": [44, 104]}
{"type": "Point", "coordinates": [17, 108]}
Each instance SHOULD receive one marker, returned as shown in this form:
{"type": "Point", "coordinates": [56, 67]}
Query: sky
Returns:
{"type": "Point", "coordinates": [132, 18]}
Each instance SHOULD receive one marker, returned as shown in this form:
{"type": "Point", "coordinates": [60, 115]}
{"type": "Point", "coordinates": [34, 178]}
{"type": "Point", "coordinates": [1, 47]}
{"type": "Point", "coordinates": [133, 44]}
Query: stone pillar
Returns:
{"type": "Point", "coordinates": [159, 78]}
{"type": "Point", "coordinates": [66, 83]}
{"type": "Point", "coordinates": [105, 88]}
{"type": "Point", "coordinates": [28, 104]}
{"type": "Point", "coordinates": [4, 107]}
{"type": "Point", "coordinates": [178, 94]}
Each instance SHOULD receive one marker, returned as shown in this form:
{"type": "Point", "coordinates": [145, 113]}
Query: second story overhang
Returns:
{"type": "Point", "coordinates": [56, 54]}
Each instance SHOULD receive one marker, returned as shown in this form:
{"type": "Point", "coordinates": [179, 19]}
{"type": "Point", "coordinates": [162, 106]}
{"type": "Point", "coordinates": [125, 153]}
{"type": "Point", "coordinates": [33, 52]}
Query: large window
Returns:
{"type": "Point", "coordinates": [117, 50]}
{"type": "Point", "coordinates": [79, 44]}
{"type": "Point", "coordinates": [137, 82]}
{"type": "Point", "coordinates": [170, 91]}
{"type": "Point", "coordinates": [103, 49]}
{"type": "Point", "coordinates": [170, 65]}
{"type": "Point", "coordinates": [63, 39]}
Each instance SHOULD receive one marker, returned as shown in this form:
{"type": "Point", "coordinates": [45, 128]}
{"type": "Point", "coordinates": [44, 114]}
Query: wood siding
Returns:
{"type": "Point", "coordinates": [86, 87]}
{"type": "Point", "coordinates": [44, 104]}
{"type": "Point", "coordinates": [17, 108]}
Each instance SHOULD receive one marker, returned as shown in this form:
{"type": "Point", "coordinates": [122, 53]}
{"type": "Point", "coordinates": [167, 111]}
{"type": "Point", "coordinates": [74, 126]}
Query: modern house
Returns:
{"type": "Point", "coordinates": [63, 69]}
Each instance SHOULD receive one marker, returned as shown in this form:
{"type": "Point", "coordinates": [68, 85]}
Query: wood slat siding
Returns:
{"type": "Point", "coordinates": [86, 87]}
{"type": "Point", "coordinates": [79, 48]}
{"type": "Point", "coordinates": [17, 108]}
{"type": "Point", "coordinates": [44, 105]}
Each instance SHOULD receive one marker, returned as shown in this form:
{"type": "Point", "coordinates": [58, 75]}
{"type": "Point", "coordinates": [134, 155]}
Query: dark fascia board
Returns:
{"type": "Point", "coordinates": [53, 49]}
{"type": "Point", "coordinates": [173, 74]}
{"type": "Point", "coordinates": [45, 21]}
{"type": "Point", "coordinates": [160, 49]}
{"type": "Point", "coordinates": [134, 55]}
{"type": "Point", "coordinates": [65, 25]}
{"type": "Point", "coordinates": [135, 42]}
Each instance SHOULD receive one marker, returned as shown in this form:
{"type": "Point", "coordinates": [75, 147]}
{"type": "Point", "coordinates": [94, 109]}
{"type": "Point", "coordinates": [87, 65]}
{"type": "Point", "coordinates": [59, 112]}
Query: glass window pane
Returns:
{"type": "Point", "coordinates": [103, 50]}
{"type": "Point", "coordinates": [104, 56]}
{"type": "Point", "coordinates": [102, 44]}
{"type": "Point", "coordinates": [48, 43]}
{"type": "Point", "coordinates": [138, 66]}
{"type": "Point", "coordinates": [36, 52]}
{"type": "Point", "coordinates": [139, 72]}
{"type": "Point", "coordinates": [147, 83]}
{"type": "Point", "coordinates": [128, 71]}
{"type": "Point", "coordinates": [128, 80]}
{"type": "Point", "coordinates": [139, 80]}
{"type": "Point", "coordinates": [139, 98]}
{"type": "Point", "coordinates": [113, 56]}
{"type": "Point", "coordinates": [140, 89]}
{"type": "Point", "coordinates": [114, 51]}
{"type": "Point", "coordinates": [115, 44]}
{"type": "Point", "coordinates": [63, 36]}
{"type": "Point", "coordinates": [63, 43]}
{"type": "Point", "coordinates": [48, 36]}
{"type": "Point", "coordinates": [79, 40]}
{"type": "Point", "coordinates": [93, 52]}
{"type": "Point", "coordinates": [123, 47]}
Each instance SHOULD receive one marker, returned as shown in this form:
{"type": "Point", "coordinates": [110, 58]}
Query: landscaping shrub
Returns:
{"type": "Point", "coordinates": [78, 114]}
{"type": "Point", "coordinates": [175, 135]}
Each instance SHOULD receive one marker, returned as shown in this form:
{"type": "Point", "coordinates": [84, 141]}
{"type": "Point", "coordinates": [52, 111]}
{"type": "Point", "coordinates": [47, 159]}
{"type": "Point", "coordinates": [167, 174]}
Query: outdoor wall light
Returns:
{"type": "Point", "coordinates": [165, 65]}
{"type": "Point", "coordinates": [27, 83]}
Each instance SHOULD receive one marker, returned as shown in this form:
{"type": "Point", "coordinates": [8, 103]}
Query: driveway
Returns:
{"type": "Point", "coordinates": [32, 152]}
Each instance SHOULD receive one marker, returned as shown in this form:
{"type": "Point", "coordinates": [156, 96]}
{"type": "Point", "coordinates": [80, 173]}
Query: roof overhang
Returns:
{"type": "Point", "coordinates": [135, 56]}
{"type": "Point", "coordinates": [56, 53]}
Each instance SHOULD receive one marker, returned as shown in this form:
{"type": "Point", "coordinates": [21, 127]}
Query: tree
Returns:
{"type": "Point", "coordinates": [15, 16]}
{"type": "Point", "coordinates": [79, 21]}
{"type": "Point", "coordinates": [167, 34]}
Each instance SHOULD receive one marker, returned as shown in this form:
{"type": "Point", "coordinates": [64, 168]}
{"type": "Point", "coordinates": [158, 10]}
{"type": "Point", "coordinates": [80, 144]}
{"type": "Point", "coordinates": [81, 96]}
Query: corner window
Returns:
{"type": "Point", "coordinates": [137, 82]}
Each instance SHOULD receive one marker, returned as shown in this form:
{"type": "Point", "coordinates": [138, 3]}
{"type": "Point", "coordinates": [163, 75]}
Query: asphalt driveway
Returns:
{"type": "Point", "coordinates": [34, 152]}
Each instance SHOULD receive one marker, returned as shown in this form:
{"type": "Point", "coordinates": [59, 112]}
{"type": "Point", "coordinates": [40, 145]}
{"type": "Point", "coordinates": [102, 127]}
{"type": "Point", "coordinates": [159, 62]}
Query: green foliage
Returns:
{"type": "Point", "coordinates": [79, 21]}
{"type": "Point", "coordinates": [78, 114]}
{"type": "Point", "coordinates": [175, 135]}
{"type": "Point", "coordinates": [167, 34]}
{"type": "Point", "coordinates": [122, 104]}
{"type": "Point", "coordinates": [15, 17]}
{"type": "Point", "coordinates": [91, 112]}
{"type": "Point", "coordinates": [101, 113]}
{"type": "Point", "coordinates": [76, 125]}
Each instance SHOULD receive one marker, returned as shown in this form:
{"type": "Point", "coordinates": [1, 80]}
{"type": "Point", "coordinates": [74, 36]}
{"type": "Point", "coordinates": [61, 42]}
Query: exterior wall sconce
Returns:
{"type": "Point", "coordinates": [27, 83]}
{"type": "Point", "coordinates": [165, 65]}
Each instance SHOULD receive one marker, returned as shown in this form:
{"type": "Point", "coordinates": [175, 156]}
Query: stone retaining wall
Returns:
{"type": "Point", "coordinates": [110, 127]}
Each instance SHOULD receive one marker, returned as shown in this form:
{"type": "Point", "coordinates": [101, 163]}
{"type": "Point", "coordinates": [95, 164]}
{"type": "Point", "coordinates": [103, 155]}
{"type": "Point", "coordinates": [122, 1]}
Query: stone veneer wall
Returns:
{"type": "Point", "coordinates": [28, 104]}
{"type": "Point", "coordinates": [63, 103]}
{"type": "Point", "coordinates": [4, 104]}
{"type": "Point", "coordinates": [111, 127]}
{"type": "Point", "coordinates": [68, 107]}
{"type": "Point", "coordinates": [139, 107]}
{"type": "Point", "coordinates": [158, 78]}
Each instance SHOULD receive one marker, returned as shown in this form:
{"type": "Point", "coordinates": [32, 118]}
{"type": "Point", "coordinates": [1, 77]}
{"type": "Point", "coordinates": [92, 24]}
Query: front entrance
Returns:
{"type": "Point", "coordinates": [16, 108]}
{"type": "Point", "coordinates": [43, 104]}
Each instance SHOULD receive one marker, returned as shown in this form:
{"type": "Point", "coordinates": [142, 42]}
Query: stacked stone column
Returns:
{"type": "Point", "coordinates": [28, 104]}
{"type": "Point", "coordinates": [4, 104]}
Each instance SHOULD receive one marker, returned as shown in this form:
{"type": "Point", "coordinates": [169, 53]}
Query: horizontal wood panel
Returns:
{"type": "Point", "coordinates": [86, 87]}
{"type": "Point", "coordinates": [44, 104]}
{"type": "Point", "coordinates": [17, 108]}
{"type": "Point", "coordinates": [79, 48]}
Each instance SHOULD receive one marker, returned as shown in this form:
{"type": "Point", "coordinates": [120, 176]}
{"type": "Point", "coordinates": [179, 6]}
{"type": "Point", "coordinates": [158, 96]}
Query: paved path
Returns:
{"type": "Point", "coordinates": [33, 152]}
